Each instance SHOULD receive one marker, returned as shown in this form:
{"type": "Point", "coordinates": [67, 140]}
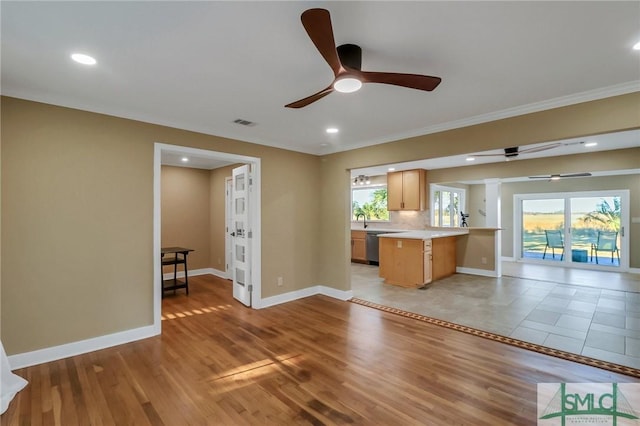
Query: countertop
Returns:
{"type": "Point", "coordinates": [425, 235]}
{"type": "Point", "coordinates": [373, 229]}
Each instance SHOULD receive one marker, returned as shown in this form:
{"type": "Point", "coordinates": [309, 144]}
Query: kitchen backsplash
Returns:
{"type": "Point", "coordinates": [399, 220]}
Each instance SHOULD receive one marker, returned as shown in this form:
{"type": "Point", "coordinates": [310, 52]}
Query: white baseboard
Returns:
{"type": "Point", "coordinates": [634, 270]}
{"type": "Point", "coordinates": [218, 273]}
{"type": "Point", "coordinates": [54, 353]}
{"type": "Point", "coordinates": [508, 259]}
{"type": "Point", "coordinates": [475, 271]}
{"type": "Point", "coordinates": [335, 293]}
{"type": "Point", "coordinates": [196, 272]}
{"type": "Point", "coordinates": [305, 292]}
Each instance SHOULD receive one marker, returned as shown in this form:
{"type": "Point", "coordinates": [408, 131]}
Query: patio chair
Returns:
{"type": "Point", "coordinates": [607, 241]}
{"type": "Point", "coordinates": [554, 241]}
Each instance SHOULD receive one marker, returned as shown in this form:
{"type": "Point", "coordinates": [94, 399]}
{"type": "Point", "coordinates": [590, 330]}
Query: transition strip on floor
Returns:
{"type": "Point", "coordinates": [610, 366]}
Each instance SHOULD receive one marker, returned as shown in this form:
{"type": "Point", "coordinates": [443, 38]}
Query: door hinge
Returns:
{"type": "Point", "coordinates": [622, 231]}
{"type": "Point", "coordinates": [249, 234]}
{"type": "Point", "coordinates": [250, 287]}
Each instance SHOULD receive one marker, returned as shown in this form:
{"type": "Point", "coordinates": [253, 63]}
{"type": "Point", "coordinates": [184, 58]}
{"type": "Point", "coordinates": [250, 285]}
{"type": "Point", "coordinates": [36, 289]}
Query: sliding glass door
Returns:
{"type": "Point", "coordinates": [543, 229]}
{"type": "Point", "coordinates": [585, 229]}
{"type": "Point", "coordinates": [595, 230]}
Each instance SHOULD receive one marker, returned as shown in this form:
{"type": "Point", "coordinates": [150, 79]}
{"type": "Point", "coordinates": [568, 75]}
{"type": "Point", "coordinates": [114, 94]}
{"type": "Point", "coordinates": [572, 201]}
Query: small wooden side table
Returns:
{"type": "Point", "coordinates": [179, 257]}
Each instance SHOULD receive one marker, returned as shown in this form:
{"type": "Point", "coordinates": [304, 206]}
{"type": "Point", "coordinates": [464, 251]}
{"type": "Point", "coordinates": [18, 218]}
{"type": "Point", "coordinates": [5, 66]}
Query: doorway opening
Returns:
{"type": "Point", "coordinates": [253, 220]}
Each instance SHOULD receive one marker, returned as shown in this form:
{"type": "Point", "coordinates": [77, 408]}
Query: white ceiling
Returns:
{"type": "Point", "coordinates": [201, 65]}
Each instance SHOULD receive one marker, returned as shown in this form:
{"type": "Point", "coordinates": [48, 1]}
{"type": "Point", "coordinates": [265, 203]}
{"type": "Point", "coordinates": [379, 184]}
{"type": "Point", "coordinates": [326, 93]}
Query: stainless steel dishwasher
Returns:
{"type": "Point", "coordinates": [373, 252]}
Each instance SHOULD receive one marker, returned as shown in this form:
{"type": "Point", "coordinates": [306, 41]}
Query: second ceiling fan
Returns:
{"type": "Point", "coordinates": [346, 61]}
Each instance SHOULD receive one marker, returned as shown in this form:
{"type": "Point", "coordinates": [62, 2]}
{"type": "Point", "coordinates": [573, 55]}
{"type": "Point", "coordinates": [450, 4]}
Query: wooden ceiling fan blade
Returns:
{"type": "Point", "coordinates": [317, 23]}
{"type": "Point", "coordinates": [413, 81]}
{"type": "Point", "coordinates": [310, 99]}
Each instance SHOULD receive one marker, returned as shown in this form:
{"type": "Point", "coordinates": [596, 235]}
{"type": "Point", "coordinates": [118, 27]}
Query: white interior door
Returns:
{"type": "Point", "coordinates": [228, 224]}
{"type": "Point", "coordinates": [241, 235]}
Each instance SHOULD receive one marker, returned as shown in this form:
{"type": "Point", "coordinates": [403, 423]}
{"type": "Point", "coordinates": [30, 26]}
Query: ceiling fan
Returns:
{"type": "Point", "coordinates": [515, 151]}
{"type": "Point", "coordinates": [561, 176]}
{"type": "Point", "coordinates": [346, 61]}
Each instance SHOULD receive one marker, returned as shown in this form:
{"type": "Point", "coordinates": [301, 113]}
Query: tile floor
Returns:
{"type": "Point", "coordinates": [596, 314]}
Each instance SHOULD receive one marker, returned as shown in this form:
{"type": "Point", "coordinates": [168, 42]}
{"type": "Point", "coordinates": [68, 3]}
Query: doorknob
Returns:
{"type": "Point", "coordinates": [233, 234]}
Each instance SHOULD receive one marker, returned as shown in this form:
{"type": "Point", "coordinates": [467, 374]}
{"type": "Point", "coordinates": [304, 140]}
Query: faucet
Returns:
{"type": "Point", "coordinates": [364, 219]}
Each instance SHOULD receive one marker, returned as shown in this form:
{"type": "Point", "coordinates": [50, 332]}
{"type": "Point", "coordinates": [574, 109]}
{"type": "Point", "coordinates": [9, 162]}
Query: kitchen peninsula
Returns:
{"type": "Point", "coordinates": [415, 258]}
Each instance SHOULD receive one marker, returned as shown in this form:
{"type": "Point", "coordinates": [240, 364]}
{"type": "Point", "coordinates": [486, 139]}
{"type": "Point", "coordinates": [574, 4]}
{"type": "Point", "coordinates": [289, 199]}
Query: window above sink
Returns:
{"type": "Point", "coordinates": [370, 200]}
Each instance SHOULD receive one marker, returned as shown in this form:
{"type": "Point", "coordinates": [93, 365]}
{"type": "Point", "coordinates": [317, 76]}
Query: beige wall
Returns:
{"type": "Point", "coordinates": [590, 118]}
{"type": "Point", "coordinates": [193, 213]}
{"type": "Point", "coordinates": [77, 221]}
{"type": "Point", "coordinates": [217, 188]}
{"type": "Point", "coordinates": [186, 212]}
{"type": "Point", "coordinates": [77, 209]}
{"type": "Point", "coordinates": [473, 247]}
{"type": "Point", "coordinates": [476, 201]}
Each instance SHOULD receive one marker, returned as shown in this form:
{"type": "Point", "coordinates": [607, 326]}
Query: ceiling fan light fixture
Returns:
{"type": "Point", "coordinates": [347, 85]}
{"type": "Point", "coordinates": [83, 59]}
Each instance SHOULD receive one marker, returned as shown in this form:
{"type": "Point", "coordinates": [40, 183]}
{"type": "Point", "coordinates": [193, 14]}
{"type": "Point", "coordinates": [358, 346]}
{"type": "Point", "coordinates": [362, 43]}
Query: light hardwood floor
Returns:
{"type": "Point", "coordinates": [313, 361]}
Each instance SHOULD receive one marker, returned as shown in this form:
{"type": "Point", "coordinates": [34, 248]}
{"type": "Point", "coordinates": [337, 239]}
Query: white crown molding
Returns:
{"type": "Point", "coordinates": [577, 98]}
{"type": "Point", "coordinates": [591, 95]}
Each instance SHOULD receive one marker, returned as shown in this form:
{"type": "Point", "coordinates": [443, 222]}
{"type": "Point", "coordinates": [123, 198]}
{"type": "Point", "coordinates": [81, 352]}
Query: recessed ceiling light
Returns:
{"type": "Point", "coordinates": [471, 158]}
{"type": "Point", "coordinates": [324, 144]}
{"type": "Point", "coordinates": [332, 130]}
{"type": "Point", "coordinates": [590, 144]}
{"type": "Point", "coordinates": [83, 59]}
{"type": "Point", "coordinates": [636, 46]}
{"type": "Point", "coordinates": [391, 169]}
{"type": "Point", "coordinates": [184, 159]}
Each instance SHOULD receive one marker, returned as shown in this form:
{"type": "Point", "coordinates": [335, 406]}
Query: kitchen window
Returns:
{"type": "Point", "coordinates": [370, 201]}
{"type": "Point", "coordinates": [446, 205]}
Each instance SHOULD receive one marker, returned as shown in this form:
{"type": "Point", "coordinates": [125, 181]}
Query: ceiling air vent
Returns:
{"type": "Point", "coordinates": [244, 122]}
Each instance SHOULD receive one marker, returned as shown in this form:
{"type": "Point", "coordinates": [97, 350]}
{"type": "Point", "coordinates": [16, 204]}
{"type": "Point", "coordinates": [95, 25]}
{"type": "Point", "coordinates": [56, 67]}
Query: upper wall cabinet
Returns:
{"type": "Point", "coordinates": [407, 190]}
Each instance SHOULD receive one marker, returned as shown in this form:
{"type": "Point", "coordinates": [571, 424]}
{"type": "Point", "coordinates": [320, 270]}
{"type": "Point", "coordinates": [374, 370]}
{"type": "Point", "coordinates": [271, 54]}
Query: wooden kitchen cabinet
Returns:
{"type": "Point", "coordinates": [405, 262]}
{"type": "Point", "coordinates": [427, 272]}
{"type": "Point", "coordinates": [407, 190]}
{"type": "Point", "coordinates": [444, 257]}
{"type": "Point", "coordinates": [358, 246]}
{"type": "Point", "coordinates": [410, 262]}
